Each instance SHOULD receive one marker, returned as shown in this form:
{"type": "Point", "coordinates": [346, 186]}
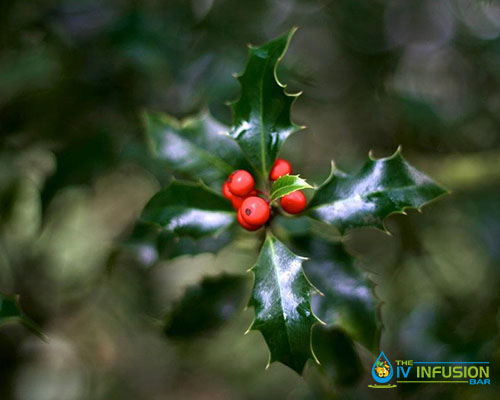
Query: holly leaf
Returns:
{"type": "Point", "coordinates": [262, 113]}
{"type": "Point", "coordinates": [189, 209]}
{"type": "Point", "coordinates": [150, 243]}
{"type": "Point", "coordinates": [337, 354]}
{"type": "Point", "coordinates": [382, 187]}
{"type": "Point", "coordinates": [281, 298]}
{"type": "Point", "coordinates": [347, 299]}
{"type": "Point", "coordinates": [207, 306]}
{"type": "Point", "coordinates": [10, 311]}
{"type": "Point", "coordinates": [286, 185]}
{"type": "Point", "coordinates": [197, 148]}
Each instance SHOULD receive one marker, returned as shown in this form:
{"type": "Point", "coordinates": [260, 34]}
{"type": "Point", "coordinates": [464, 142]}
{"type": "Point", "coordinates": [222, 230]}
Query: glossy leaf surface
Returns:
{"type": "Point", "coordinates": [189, 209]}
{"type": "Point", "coordinates": [197, 148]}
{"type": "Point", "coordinates": [281, 298]}
{"type": "Point", "coordinates": [380, 188]}
{"type": "Point", "coordinates": [286, 185]}
{"type": "Point", "coordinates": [348, 300]}
{"type": "Point", "coordinates": [262, 113]}
{"type": "Point", "coordinates": [207, 306]}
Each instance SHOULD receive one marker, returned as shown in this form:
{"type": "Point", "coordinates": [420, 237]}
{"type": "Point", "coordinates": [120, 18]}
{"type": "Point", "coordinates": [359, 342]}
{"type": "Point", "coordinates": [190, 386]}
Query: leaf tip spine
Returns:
{"type": "Point", "coordinates": [293, 30]}
{"type": "Point", "coordinates": [386, 231]}
{"type": "Point", "coordinates": [250, 328]}
{"type": "Point", "coordinates": [371, 156]}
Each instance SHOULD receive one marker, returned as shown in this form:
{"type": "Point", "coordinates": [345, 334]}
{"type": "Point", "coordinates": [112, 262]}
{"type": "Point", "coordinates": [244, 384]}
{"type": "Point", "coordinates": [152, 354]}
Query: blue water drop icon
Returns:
{"type": "Point", "coordinates": [382, 369]}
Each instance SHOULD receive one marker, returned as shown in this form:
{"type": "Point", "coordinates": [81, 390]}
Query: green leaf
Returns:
{"type": "Point", "coordinates": [150, 243]}
{"type": "Point", "coordinates": [337, 355]}
{"type": "Point", "coordinates": [198, 148]}
{"type": "Point", "coordinates": [189, 209]}
{"type": "Point", "coordinates": [286, 185]}
{"type": "Point", "coordinates": [10, 311]}
{"type": "Point", "coordinates": [262, 119]}
{"type": "Point", "coordinates": [382, 187]}
{"type": "Point", "coordinates": [207, 306]}
{"type": "Point", "coordinates": [347, 299]}
{"type": "Point", "coordinates": [281, 298]}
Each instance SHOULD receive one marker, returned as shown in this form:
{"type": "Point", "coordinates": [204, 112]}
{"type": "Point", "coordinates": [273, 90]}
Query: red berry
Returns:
{"type": "Point", "coordinates": [294, 202]}
{"type": "Point", "coordinates": [245, 224]}
{"type": "Point", "coordinates": [241, 182]}
{"type": "Point", "coordinates": [226, 192]}
{"type": "Point", "coordinates": [280, 167]}
{"type": "Point", "coordinates": [255, 210]}
{"type": "Point", "coordinates": [237, 201]}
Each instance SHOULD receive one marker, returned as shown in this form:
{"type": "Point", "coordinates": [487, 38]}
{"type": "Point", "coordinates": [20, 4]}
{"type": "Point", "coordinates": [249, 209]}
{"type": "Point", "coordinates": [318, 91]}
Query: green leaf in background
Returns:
{"type": "Point", "coordinates": [207, 306]}
{"type": "Point", "coordinates": [348, 300]}
{"type": "Point", "coordinates": [382, 187]}
{"type": "Point", "coordinates": [198, 148]}
{"type": "Point", "coordinates": [10, 311]}
{"type": "Point", "coordinates": [189, 209]}
{"type": "Point", "coordinates": [286, 185]}
{"type": "Point", "coordinates": [170, 246]}
{"type": "Point", "coordinates": [281, 298]}
{"type": "Point", "coordinates": [262, 119]}
{"type": "Point", "coordinates": [150, 243]}
{"type": "Point", "coordinates": [337, 355]}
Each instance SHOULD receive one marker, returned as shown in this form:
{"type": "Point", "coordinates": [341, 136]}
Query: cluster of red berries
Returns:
{"type": "Point", "coordinates": [254, 211]}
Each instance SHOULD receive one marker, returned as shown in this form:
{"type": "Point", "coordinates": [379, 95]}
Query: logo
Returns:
{"type": "Point", "coordinates": [382, 372]}
{"type": "Point", "coordinates": [409, 371]}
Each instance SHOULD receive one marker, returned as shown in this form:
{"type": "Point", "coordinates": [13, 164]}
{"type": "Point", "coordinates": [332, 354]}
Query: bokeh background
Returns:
{"type": "Point", "coordinates": [75, 172]}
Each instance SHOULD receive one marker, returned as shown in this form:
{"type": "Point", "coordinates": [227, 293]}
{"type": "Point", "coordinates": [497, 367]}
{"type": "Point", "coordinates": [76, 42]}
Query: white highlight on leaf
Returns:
{"type": "Point", "coordinates": [207, 220]}
{"type": "Point", "coordinates": [344, 209]}
{"type": "Point", "coordinates": [177, 149]}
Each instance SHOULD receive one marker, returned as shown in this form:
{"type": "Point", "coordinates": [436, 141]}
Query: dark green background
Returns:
{"type": "Point", "coordinates": [75, 173]}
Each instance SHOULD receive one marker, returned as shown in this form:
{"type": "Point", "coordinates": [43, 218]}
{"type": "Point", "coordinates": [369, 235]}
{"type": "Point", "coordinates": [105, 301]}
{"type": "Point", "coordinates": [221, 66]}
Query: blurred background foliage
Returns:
{"type": "Point", "coordinates": [75, 172]}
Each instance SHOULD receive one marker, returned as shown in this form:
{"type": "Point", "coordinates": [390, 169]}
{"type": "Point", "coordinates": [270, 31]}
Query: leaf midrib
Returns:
{"type": "Point", "coordinates": [276, 194]}
{"type": "Point", "coordinates": [261, 118]}
{"type": "Point", "coordinates": [261, 109]}
{"type": "Point", "coordinates": [285, 190]}
{"type": "Point", "coordinates": [273, 256]}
